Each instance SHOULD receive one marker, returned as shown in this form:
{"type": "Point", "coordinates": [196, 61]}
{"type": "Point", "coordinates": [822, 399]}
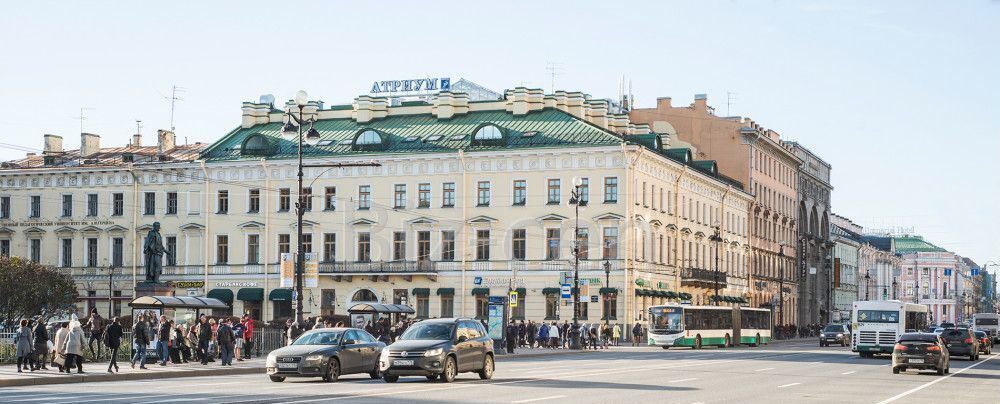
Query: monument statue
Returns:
{"type": "Point", "coordinates": [153, 250]}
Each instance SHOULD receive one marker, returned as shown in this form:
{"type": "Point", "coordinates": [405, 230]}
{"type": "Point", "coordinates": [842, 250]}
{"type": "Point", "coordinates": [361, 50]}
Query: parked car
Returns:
{"type": "Point", "coordinates": [834, 334]}
{"type": "Point", "coordinates": [327, 353]}
{"type": "Point", "coordinates": [439, 348]}
{"type": "Point", "coordinates": [985, 342]}
{"type": "Point", "coordinates": [921, 351]}
{"type": "Point", "coordinates": [961, 342]}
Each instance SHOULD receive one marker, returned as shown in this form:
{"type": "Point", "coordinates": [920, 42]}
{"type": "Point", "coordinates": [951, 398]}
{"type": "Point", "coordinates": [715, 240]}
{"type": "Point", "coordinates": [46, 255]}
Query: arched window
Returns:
{"type": "Point", "coordinates": [488, 134]}
{"type": "Point", "coordinates": [368, 139]}
{"type": "Point", "coordinates": [256, 145]}
{"type": "Point", "coordinates": [364, 295]}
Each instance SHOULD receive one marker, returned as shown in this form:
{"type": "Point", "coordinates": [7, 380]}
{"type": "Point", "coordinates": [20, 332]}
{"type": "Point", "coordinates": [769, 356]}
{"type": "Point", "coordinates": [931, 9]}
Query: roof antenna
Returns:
{"type": "Point", "coordinates": [730, 100]}
{"type": "Point", "coordinates": [81, 117]}
{"type": "Point", "coordinates": [173, 101]}
{"type": "Point", "coordinates": [553, 70]}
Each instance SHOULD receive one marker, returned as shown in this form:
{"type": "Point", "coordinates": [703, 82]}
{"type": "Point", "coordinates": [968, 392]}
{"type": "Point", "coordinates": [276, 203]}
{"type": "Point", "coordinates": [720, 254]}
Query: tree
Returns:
{"type": "Point", "coordinates": [31, 289]}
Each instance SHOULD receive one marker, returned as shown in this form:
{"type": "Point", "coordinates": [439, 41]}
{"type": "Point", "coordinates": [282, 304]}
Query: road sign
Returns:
{"type": "Point", "coordinates": [566, 291]}
{"type": "Point", "coordinates": [513, 299]}
{"type": "Point", "coordinates": [594, 299]}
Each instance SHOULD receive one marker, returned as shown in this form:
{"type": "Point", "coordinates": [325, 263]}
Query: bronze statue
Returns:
{"type": "Point", "coordinates": [153, 249]}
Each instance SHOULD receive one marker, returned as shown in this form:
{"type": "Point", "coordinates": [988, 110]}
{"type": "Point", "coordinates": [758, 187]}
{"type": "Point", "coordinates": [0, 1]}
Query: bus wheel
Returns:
{"type": "Point", "coordinates": [666, 347]}
{"type": "Point", "coordinates": [697, 342]}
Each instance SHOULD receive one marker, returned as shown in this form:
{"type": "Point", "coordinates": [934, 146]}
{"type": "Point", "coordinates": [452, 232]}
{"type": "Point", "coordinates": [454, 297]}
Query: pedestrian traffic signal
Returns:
{"type": "Point", "coordinates": [513, 299]}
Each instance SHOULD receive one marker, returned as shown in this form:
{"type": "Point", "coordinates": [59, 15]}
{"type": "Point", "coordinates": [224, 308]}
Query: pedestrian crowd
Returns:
{"type": "Point", "coordinates": [557, 336]}
{"type": "Point", "coordinates": [383, 329]}
{"type": "Point", "coordinates": [794, 331]}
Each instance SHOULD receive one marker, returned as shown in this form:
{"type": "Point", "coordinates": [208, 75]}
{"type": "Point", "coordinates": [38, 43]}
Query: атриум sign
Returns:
{"type": "Point", "coordinates": [414, 85]}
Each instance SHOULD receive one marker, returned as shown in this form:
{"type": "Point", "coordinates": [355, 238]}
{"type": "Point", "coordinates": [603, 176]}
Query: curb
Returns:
{"type": "Point", "coordinates": [508, 357]}
{"type": "Point", "coordinates": [98, 377]}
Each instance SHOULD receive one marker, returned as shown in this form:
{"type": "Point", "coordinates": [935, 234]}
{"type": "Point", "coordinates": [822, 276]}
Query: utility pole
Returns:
{"type": "Point", "coordinates": [173, 102]}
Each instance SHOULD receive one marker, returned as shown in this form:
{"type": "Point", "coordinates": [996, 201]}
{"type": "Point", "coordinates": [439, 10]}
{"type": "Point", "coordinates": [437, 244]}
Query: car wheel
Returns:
{"type": "Point", "coordinates": [895, 371]}
{"type": "Point", "coordinates": [277, 379]}
{"type": "Point", "coordinates": [940, 371]}
{"type": "Point", "coordinates": [665, 347]}
{"type": "Point", "coordinates": [431, 377]}
{"type": "Point", "coordinates": [332, 371]}
{"type": "Point", "coordinates": [843, 343]}
{"type": "Point", "coordinates": [488, 366]}
{"type": "Point", "coordinates": [390, 378]}
{"type": "Point", "coordinates": [450, 370]}
{"type": "Point", "coordinates": [697, 342]}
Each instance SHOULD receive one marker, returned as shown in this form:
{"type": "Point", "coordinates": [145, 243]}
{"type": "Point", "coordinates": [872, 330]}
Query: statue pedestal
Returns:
{"type": "Point", "coordinates": [153, 289]}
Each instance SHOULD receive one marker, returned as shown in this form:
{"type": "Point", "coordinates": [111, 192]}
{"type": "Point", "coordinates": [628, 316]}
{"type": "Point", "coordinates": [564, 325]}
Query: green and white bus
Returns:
{"type": "Point", "coordinates": [698, 326]}
{"type": "Point", "coordinates": [877, 325]}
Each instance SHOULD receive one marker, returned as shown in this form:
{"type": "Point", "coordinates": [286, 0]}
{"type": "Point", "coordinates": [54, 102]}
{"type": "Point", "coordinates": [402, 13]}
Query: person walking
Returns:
{"type": "Point", "coordinates": [616, 334]}
{"type": "Point", "coordinates": [511, 336]}
{"type": "Point", "coordinates": [113, 339]}
{"type": "Point", "coordinates": [41, 345]}
{"type": "Point", "coordinates": [238, 330]}
{"type": "Point", "coordinates": [543, 336]}
{"type": "Point", "coordinates": [564, 333]}
{"type": "Point", "coordinates": [225, 341]}
{"type": "Point", "coordinates": [140, 336]}
{"type": "Point", "coordinates": [554, 335]}
{"type": "Point", "coordinates": [530, 332]}
{"type": "Point", "coordinates": [24, 346]}
{"type": "Point", "coordinates": [163, 340]}
{"type": "Point", "coordinates": [636, 334]}
{"type": "Point", "coordinates": [58, 350]}
{"type": "Point", "coordinates": [204, 337]}
{"type": "Point", "coordinates": [94, 329]}
{"type": "Point", "coordinates": [75, 343]}
{"type": "Point", "coordinates": [248, 337]}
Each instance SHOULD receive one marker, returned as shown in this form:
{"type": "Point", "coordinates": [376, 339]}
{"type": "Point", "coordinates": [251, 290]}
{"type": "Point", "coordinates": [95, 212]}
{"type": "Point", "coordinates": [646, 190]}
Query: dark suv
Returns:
{"type": "Point", "coordinates": [920, 351]}
{"type": "Point", "coordinates": [961, 342]}
{"type": "Point", "coordinates": [439, 348]}
{"type": "Point", "coordinates": [834, 334]}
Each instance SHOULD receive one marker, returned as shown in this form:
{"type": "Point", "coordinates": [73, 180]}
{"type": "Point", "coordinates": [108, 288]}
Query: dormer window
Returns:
{"type": "Point", "coordinates": [369, 139]}
{"type": "Point", "coordinates": [488, 134]}
{"type": "Point", "coordinates": [256, 145]}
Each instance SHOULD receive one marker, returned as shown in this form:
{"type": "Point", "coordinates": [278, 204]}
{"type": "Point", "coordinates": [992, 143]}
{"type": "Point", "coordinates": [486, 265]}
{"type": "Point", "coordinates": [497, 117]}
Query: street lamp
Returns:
{"type": "Point", "coordinates": [111, 288]}
{"type": "Point", "coordinates": [717, 238]}
{"type": "Point", "coordinates": [868, 279]}
{"type": "Point", "coordinates": [293, 131]}
{"type": "Point", "coordinates": [576, 200]}
{"type": "Point", "coordinates": [607, 301]}
{"type": "Point", "coordinates": [894, 286]}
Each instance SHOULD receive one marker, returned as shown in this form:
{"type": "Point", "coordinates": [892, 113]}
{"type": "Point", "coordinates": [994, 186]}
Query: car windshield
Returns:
{"type": "Point", "coordinates": [980, 334]}
{"type": "Point", "coordinates": [439, 331]}
{"type": "Point", "coordinates": [833, 328]}
{"type": "Point", "coordinates": [666, 319]}
{"type": "Point", "coordinates": [320, 338]}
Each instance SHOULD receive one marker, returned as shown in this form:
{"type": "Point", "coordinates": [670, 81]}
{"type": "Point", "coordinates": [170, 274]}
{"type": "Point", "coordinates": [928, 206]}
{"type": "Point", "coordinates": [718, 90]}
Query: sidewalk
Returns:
{"type": "Point", "coordinates": [98, 372]}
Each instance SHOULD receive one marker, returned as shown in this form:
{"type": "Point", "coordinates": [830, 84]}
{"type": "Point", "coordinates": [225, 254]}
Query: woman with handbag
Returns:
{"type": "Point", "coordinates": [24, 346]}
{"type": "Point", "coordinates": [113, 339]}
{"type": "Point", "coordinates": [59, 351]}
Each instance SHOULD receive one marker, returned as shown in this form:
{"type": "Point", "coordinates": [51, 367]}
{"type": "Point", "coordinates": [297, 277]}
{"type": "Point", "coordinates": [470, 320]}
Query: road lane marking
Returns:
{"type": "Point", "coordinates": [683, 380]}
{"type": "Point", "coordinates": [761, 370]}
{"type": "Point", "coordinates": [847, 373]}
{"type": "Point", "coordinates": [536, 399]}
{"type": "Point", "coordinates": [788, 385]}
{"type": "Point", "coordinates": [932, 382]}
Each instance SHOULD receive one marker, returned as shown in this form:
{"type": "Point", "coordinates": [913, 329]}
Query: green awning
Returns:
{"type": "Point", "coordinates": [642, 292]}
{"type": "Point", "coordinates": [446, 291]}
{"type": "Point", "coordinates": [609, 291]}
{"type": "Point", "coordinates": [250, 294]}
{"type": "Point", "coordinates": [480, 291]}
{"type": "Point", "coordinates": [225, 295]}
{"type": "Point", "coordinates": [551, 291]}
{"type": "Point", "coordinates": [421, 291]}
{"type": "Point", "coordinates": [685, 296]}
{"type": "Point", "coordinates": [663, 293]}
{"type": "Point", "coordinates": [671, 294]}
{"type": "Point", "coordinates": [280, 295]}
{"type": "Point", "coordinates": [743, 300]}
{"type": "Point", "coordinates": [521, 291]}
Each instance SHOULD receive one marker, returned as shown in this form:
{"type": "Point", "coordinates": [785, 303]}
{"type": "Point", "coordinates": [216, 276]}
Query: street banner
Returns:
{"type": "Point", "coordinates": [584, 290]}
{"type": "Point", "coordinates": [311, 270]}
{"type": "Point", "coordinates": [287, 265]}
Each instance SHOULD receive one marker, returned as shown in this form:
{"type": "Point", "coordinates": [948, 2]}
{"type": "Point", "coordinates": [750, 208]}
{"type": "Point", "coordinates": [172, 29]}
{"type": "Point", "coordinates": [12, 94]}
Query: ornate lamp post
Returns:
{"type": "Point", "coordinates": [717, 238]}
{"type": "Point", "coordinates": [781, 283]}
{"type": "Point", "coordinates": [868, 279]}
{"type": "Point", "coordinates": [576, 201]}
{"type": "Point", "coordinates": [607, 284]}
{"type": "Point", "coordinates": [894, 286]}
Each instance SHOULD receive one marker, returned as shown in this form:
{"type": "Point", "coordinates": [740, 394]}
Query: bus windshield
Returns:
{"type": "Point", "coordinates": [878, 316]}
{"type": "Point", "coordinates": [666, 319]}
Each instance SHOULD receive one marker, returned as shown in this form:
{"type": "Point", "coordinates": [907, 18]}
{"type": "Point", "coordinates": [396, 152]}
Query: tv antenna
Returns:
{"type": "Point", "coordinates": [82, 117]}
{"type": "Point", "coordinates": [730, 100]}
{"type": "Point", "coordinates": [554, 69]}
{"type": "Point", "coordinates": [173, 102]}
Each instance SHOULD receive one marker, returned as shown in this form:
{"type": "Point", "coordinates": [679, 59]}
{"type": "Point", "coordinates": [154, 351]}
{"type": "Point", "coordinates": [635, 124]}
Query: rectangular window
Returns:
{"type": "Point", "coordinates": [584, 241]}
{"type": "Point", "coordinates": [551, 307]}
{"type": "Point", "coordinates": [253, 249]}
{"type": "Point", "coordinates": [330, 198]}
{"type": "Point", "coordinates": [221, 249]}
{"type": "Point", "coordinates": [447, 306]}
{"type": "Point", "coordinates": [307, 243]}
{"type": "Point", "coordinates": [36, 249]}
{"type": "Point", "coordinates": [518, 312]}
{"type": "Point", "coordinates": [92, 252]}
{"type": "Point", "coordinates": [482, 307]}
{"type": "Point", "coordinates": [398, 246]}
{"type": "Point", "coordinates": [171, 203]}
{"type": "Point", "coordinates": [284, 200]}
{"type": "Point", "coordinates": [520, 192]}
{"type": "Point", "coordinates": [4, 248]}
{"type": "Point", "coordinates": [423, 246]}
{"type": "Point", "coordinates": [67, 252]}
{"type": "Point", "coordinates": [223, 202]}
{"type": "Point", "coordinates": [584, 191]}
{"type": "Point", "coordinates": [583, 310]}
{"type": "Point", "coordinates": [448, 195]}
{"type": "Point", "coordinates": [610, 307]}
{"type": "Point", "coordinates": [447, 246]}
{"type": "Point", "coordinates": [36, 207]}
{"type": "Point", "coordinates": [482, 245]}
{"type": "Point", "coordinates": [118, 252]}
{"type": "Point", "coordinates": [364, 197]}
{"type": "Point", "coordinates": [610, 243]}
{"type": "Point", "coordinates": [117, 204]}
{"type": "Point", "coordinates": [5, 207]}
{"type": "Point", "coordinates": [644, 204]}
{"type": "Point", "coordinates": [519, 244]}
{"type": "Point", "coordinates": [329, 247]}
{"type": "Point", "coordinates": [553, 191]}
{"type": "Point", "coordinates": [364, 247]}
{"type": "Point", "coordinates": [284, 243]}
{"type": "Point", "coordinates": [306, 199]}
{"type": "Point", "coordinates": [171, 250]}
{"type": "Point", "coordinates": [424, 196]}
{"type": "Point", "coordinates": [423, 306]}
{"type": "Point", "coordinates": [253, 201]}
{"type": "Point", "coordinates": [552, 244]}
{"type": "Point", "coordinates": [483, 191]}
{"type": "Point", "coordinates": [149, 207]}
{"type": "Point", "coordinates": [399, 196]}
{"type": "Point", "coordinates": [67, 205]}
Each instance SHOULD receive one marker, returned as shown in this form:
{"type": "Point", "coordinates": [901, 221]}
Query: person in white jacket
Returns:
{"type": "Point", "coordinates": [74, 347]}
{"type": "Point", "coordinates": [554, 335]}
{"type": "Point", "coordinates": [60, 343]}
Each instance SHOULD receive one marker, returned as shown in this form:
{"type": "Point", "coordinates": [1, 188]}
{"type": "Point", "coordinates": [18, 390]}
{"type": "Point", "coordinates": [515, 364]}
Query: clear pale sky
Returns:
{"type": "Point", "coordinates": [900, 97]}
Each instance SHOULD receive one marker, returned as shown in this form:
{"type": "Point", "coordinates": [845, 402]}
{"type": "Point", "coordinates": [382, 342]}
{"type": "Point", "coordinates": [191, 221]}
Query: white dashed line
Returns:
{"type": "Point", "coordinates": [847, 373]}
{"type": "Point", "coordinates": [682, 380]}
{"type": "Point", "coordinates": [536, 399]}
{"type": "Point", "coordinates": [761, 370]}
{"type": "Point", "coordinates": [788, 385]}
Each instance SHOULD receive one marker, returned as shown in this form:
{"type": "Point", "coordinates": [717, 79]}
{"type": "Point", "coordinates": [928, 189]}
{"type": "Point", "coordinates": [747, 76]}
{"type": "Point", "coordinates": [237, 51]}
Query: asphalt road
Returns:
{"type": "Point", "coordinates": [786, 373]}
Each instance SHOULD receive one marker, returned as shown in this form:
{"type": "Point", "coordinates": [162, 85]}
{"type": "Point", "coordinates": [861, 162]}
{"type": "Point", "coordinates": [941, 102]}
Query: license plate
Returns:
{"type": "Point", "coordinates": [873, 348]}
{"type": "Point", "coordinates": [288, 366]}
{"type": "Point", "coordinates": [402, 362]}
{"type": "Point", "coordinates": [915, 360]}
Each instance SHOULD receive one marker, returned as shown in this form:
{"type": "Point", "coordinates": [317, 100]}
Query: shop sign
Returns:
{"type": "Point", "coordinates": [412, 85]}
{"type": "Point", "coordinates": [189, 284]}
{"type": "Point", "coordinates": [235, 284]}
{"type": "Point", "coordinates": [498, 281]}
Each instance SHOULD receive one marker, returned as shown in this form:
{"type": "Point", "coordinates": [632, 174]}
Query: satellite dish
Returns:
{"type": "Point", "coordinates": [267, 99]}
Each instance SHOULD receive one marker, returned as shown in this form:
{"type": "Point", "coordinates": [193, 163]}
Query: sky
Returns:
{"type": "Point", "coordinates": [901, 97]}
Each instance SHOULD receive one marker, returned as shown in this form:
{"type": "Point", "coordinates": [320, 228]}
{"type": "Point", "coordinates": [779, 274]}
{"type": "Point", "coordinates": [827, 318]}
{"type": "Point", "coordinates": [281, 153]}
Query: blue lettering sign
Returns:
{"type": "Point", "coordinates": [477, 280]}
{"type": "Point", "coordinates": [413, 85]}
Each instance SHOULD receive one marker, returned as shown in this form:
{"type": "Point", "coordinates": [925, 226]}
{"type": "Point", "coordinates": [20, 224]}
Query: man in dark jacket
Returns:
{"type": "Point", "coordinates": [113, 339]}
{"type": "Point", "coordinates": [226, 341]}
{"type": "Point", "coordinates": [204, 336]}
{"type": "Point", "coordinates": [530, 332]}
{"type": "Point", "coordinates": [141, 336]}
{"type": "Point", "coordinates": [163, 340]}
{"type": "Point", "coordinates": [94, 329]}
{"type": "Point", "coordinates": [511, 336]}
{"type": "Point", "coordinates": [41, 345]}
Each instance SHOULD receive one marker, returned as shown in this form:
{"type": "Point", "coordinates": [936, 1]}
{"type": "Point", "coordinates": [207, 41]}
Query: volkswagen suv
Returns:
{"type": "Point", "coordinates": [439, 348]}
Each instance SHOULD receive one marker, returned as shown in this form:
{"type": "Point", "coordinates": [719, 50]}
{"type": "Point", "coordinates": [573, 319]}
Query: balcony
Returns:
{"type": "Point", "coordinates": [380, 267]}
{"type": "Point", "coordinates": [702, 278]}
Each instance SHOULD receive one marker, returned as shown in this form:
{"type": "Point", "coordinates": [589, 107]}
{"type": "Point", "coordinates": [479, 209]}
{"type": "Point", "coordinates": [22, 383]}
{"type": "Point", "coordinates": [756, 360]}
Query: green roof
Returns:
{"type": "Point", "coordinates": [423, 133]}
{"type": "Point", "coordinates": [912, 244]}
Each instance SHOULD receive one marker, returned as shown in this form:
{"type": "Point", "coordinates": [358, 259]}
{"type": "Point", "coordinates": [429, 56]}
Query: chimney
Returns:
{"type": "Point", "coordinates": [165, 141]}
{"type": "Point", "coordinates": [701, 102]}
{"type": "Point", "coordinates": [90, 144]}
{"type": "Point", "coordinates": [137, 140]}
{"type": "Point", "coordinates": [663, 103]}
{"type": "Point", "coordinates": [53, 144]}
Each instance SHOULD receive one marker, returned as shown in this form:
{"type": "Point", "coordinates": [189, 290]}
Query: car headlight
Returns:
{"type": "Point", "coordinates": [271, 360]}
{"type": "Point", "coordinates": [822, 335]}
{"type": "Point", "coordinates": [434, 352]}
{"type": "Point", "coordinates": [384, 355]}
{"type": "Point", "coordinates": [840, 335]}
{"type": "Point", "coordinates": [314, 358]}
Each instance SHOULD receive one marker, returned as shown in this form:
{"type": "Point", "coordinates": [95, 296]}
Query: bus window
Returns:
{"type": "Point", "coordinates": [878, 316]}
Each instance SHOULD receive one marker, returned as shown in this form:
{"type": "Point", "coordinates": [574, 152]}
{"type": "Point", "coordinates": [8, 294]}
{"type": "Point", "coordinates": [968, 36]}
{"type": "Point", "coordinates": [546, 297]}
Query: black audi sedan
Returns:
{"type": "Point", "coordinates": [327, 353]}
{"type": "Point", "coordinates": [439, 348]}
{"type": "Point", "coordinates": [920, 350]}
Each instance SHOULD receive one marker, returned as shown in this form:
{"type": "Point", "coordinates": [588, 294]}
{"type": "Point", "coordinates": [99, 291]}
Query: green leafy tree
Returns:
{"type": "Point", "coordinates": [29, 289]}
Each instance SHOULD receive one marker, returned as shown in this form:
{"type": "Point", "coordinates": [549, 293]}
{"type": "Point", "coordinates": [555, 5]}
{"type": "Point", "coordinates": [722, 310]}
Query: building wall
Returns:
{"type": "Point", "coordinates": [926, 282]}
{"type": "Point", "coordinates": [814, 244]}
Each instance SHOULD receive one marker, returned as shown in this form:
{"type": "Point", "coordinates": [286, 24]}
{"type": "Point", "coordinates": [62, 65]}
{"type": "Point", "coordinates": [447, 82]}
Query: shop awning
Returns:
{"type": "Point", "coordinates": [684, 295]}
{"type": "Point", "coordinates": [380, 308]}
{"type": "Point", "coordinates": [609, 291]}
{"type": "Point", "coordinates": [521, 291]}
{"type": "Point", "coordinates": [551, 291]}
{"type": "Point", "coordinates": [446, 291]}
{"type": "Point", "coordinates": [280, 295]}
{"type": "Point", "coordinates": [421, 291]}
{"type": "Point", "coordinates": [250, 294]}
{"type": "Point", "coordinates": [480, 291]}
{"type": "Point", "coordinates": [671, 294]}
{"type": "Point", "coordinates": [641, 292]}
{"type": "Point", "coordinates": [225, 295]}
